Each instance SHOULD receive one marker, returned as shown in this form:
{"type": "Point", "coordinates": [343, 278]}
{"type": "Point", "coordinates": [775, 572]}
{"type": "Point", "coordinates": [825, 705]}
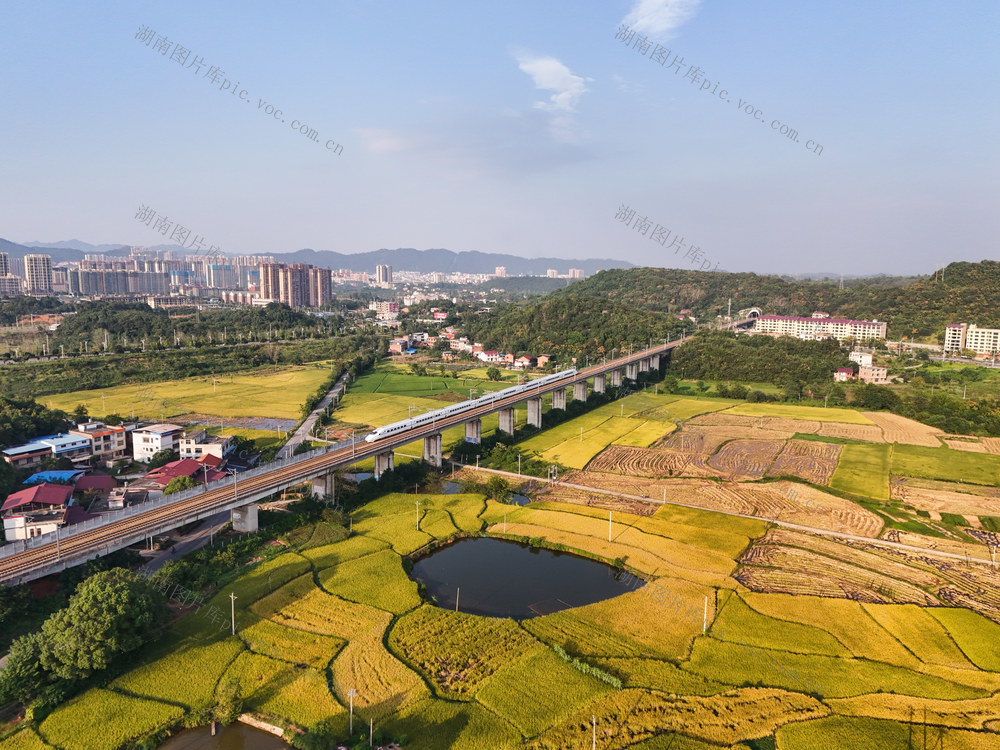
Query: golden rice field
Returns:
{"type": "Point", "coordinates": [745, 634]}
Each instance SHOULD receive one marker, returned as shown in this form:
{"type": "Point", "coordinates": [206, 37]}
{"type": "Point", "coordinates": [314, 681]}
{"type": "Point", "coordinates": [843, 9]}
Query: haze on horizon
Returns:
{"type": "Point", "coordinates": [513, 128]}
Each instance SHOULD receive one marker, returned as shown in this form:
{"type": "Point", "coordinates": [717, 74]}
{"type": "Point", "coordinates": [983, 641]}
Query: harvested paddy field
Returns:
{"type": "Point", "coordinates": [707, 438]}
{"type": "Point", "coordinates": [812, 461]}
{"type": "Point", "coordinates": [796, 563]}
{"type": "Point", "coordinates": [949, 502]}
{"type": "Point", "coordinates": [746, 459]}
{"type": "Point", "coordinates": [897, 429]}
{"type": "Point", "coordinates": [619, 459]}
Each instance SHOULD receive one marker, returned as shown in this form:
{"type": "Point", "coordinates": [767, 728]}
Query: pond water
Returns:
{"type": "Point", "coordinates": [450, 488]}
{"type": "Point", "coordinates": [517, 499]}
{"type": "Point", "coordinates": [500, 578]}
{"type": "Point", "coordinates": [233, 737]}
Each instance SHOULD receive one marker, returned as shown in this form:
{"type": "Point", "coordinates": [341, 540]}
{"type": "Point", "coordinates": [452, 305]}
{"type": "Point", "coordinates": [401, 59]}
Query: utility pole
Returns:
{"type": "Point", "coordinates": [350, 694]}
{"type": "Point", "coordinates": [232, 610]}
{"type": "Point", "coordinates": [418, 515]}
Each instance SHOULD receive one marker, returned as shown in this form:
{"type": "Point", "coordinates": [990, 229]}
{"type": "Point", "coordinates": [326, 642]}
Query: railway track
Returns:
{"type": "Point", "coordinates": [80, 547]}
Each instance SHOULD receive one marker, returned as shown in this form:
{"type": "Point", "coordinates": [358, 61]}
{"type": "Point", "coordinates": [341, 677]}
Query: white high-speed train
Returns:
{"type": "Point", "coordinates": [450, 411]}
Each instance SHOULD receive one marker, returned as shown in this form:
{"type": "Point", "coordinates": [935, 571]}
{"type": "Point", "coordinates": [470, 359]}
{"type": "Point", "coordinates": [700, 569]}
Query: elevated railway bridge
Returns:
{"type": "Point", "coordinates": [26, 560]}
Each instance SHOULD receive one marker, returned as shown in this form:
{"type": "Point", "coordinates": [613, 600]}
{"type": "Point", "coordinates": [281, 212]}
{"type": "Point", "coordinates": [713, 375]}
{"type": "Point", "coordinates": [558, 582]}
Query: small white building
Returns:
{"type": "Point", "coordinates": [199, 443]}
{"type": "Point", "coordinates": [862, 358]}
{"type": "Point", "coordinates": [147, 441]}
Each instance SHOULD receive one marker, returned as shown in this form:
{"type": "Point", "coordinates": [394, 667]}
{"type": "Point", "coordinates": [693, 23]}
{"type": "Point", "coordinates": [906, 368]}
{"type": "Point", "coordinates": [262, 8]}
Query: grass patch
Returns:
{"type": "Point", "coordinates": [863, 470]}
{"type": "Point", "coordinates": [945, 463]}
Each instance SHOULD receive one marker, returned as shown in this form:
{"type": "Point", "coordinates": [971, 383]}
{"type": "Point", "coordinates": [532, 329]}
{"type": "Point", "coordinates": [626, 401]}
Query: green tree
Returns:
{"type": "Point", "coordinates": [23, 676]}
{"type": "Point", "coordinates": [161, 458]}
{"type": "Point", "coordinates": [80, 413]}
{"type": "Point", "coordinates": [493, 373]}
{"type": "Point", "coordinates": [112, 613]}
{"type": "Point", "coordinates": [178, 484]}
{"type": "Point", "coordinates": [497, 487]}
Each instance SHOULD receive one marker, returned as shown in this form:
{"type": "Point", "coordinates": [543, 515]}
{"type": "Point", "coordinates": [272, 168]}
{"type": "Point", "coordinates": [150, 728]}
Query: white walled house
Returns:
{"type": "Point", "coordinates": [147, 441]}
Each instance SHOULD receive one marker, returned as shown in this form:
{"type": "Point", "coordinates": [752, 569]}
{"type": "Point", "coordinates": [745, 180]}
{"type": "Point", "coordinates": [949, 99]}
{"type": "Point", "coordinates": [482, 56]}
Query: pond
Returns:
{"type": "Point", "coordinates": [500, 578]}
{"type": "Point", "coordinates": [233, 737]}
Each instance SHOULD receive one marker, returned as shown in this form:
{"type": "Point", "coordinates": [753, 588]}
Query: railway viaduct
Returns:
{"type": "Point", "coordinates": [26, 560]}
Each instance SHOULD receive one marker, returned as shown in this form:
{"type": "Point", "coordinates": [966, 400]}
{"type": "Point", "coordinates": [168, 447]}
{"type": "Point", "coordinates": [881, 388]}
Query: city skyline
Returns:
{"type": "Point", "coordinates": [522, 133]}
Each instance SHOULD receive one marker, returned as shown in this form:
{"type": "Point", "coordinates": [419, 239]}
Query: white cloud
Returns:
{"type": "Point", "coordinates": [549, 74]}
{"type": "Point", "coordinates": [660, 16]}
{"type": "Point", "coordinates": [381, 141]}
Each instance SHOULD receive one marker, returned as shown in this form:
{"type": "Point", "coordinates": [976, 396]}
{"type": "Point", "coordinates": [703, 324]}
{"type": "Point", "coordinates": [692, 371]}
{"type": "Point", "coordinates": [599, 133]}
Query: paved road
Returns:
{"type": "Point", "coordinates": [785, 524]}
{"type": "Point", "coordinates": [302, 433]}
{"type": "Point", "coordinates": [197, 539]}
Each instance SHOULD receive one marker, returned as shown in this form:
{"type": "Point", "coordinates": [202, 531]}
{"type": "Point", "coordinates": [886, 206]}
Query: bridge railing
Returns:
{"type": "Point", "coordinates": [16, 546]}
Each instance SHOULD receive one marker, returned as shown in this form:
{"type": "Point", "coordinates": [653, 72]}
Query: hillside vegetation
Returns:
{"type": "Point", "coordinates": [967, 292]}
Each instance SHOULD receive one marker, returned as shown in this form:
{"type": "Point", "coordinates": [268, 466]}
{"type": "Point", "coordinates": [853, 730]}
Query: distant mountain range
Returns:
{"type": "Point", "coordinates": [401, 259]}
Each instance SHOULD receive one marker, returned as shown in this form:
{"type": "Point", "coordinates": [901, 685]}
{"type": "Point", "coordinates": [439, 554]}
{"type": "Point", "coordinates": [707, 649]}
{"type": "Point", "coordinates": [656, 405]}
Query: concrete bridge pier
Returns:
{"type": "Point", "coordinates": [654, 362]}
{"type": "Point", "coordinates": [325, 485]}
{"type": "Point", "coordinates": [559, 399]}
{"type": "Point", "coordinates": [600, 383]}
{"type": "Point", "coordinates": [245, 519]}
{"type": "Point", "coordinates": [474, 431]}
{"type": "Point", "coordinates": [616, 378]}
{"type": "Point", "coordinates": [632, 371]}
{"type": "Point", "coordinates": [507, 421]}
{"type": "Point", "coordinates": [432, 450]}
{"type": "Point", "coordinates": [580, 391]}
{"type": "Point", "coordinates": [535, 412]}
{"type": "Point", "coordinates": [644, 365]}
{"type": "Point", "coordinates": [383, 462]}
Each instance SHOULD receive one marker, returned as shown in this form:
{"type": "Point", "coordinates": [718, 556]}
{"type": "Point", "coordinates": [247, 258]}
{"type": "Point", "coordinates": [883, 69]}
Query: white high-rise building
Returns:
{"type": "Point", "coordinates": [383, 275]}
{"type": "Point", "coordinates": [38, 274]}
{"type": "Point", "coordinates": [4, 264]}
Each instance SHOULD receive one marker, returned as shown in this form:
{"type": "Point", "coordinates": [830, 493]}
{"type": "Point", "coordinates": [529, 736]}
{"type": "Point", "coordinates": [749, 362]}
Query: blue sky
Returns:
{"type": "Point", "coordinates": [516, 127]}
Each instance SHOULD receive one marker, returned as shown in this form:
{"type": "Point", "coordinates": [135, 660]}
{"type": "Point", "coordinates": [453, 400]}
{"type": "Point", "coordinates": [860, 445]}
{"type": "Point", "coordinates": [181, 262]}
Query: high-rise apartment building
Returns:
{"type": "Point", "coordinates": [319, 287]}
{"type": "Point", "coordinates": [383, 274]}
{"type": "Point", "coordinates": [269, 281]}
{"type": "Point", "coordinates": [500, 272]}
{"type": "Point", "coordinates": [10, 285]}
{"type": "Point", "coordinates": [576, 273]}
{"type": "Point", "coordinates": [38, 274]}
{"type": "Point", "coordinates": [552, 273]}
{"type": "Point", "coordinates": [294, 284]}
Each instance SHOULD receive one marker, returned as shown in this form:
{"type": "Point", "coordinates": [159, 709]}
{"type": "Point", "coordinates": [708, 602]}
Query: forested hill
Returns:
{"type": "Point", "coordinates": [969, 292]}
{"type": "Point", "coordinates": [568, 326]}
